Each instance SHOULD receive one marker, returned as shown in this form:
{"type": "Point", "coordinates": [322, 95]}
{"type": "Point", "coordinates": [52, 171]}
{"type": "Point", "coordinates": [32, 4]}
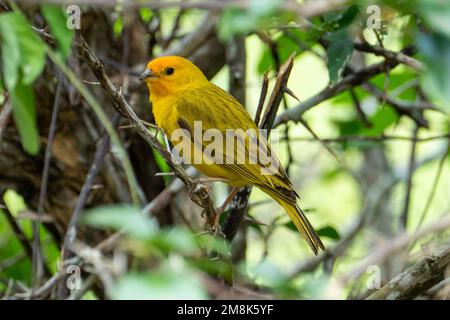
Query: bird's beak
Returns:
{"type": "Point", "coordinates": [146, 74]}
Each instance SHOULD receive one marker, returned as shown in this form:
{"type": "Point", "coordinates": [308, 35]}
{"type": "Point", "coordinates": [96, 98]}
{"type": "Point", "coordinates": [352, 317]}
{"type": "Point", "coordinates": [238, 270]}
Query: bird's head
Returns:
{"type": "Point", "coordinates": [171, 75]}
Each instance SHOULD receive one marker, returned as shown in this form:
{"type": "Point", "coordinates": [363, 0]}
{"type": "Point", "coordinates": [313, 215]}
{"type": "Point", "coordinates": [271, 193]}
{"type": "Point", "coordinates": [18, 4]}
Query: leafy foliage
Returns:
{"type": "Point", "coordinates": [23, 59]}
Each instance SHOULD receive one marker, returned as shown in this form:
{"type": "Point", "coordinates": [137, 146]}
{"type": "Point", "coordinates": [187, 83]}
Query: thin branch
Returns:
{"type": "Point", "coordinates": [20, 235]}
{"type": "Point", "coordinates": [408, 108]}
{"type": "Point", "coordinates": [240, 201]}
{"type": "Point", "coordinates": [38, 259]}
{"type": "Point", "coordinates": [361, 115]}
{"type": "Point", "coordinates": [416, 279]}
{"type": "Point", "coordinates": [390, 55]}
{"type": "Point", "coordinates": [381, 138]}
{"type": "Point", "coordinates": [262, 97]}
{"type": "Point", "coordinates": [349, 81]}
{"type": "Point", "coordinates": [411, 168]}
{"type": "Point", "coordinates": [199, 194]}
{"type": "Point", "coordinates": [71, 232]}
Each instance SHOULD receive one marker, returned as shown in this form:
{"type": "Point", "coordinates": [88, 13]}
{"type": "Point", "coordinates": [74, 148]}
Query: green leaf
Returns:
{"type": "Point", "coordinates": [382, 119]}
{"type": "Point", "coordinates": [175, 239]}
{"type": "Point", "coordinates": [162, 164]}
{"type": "Point", "coordinates": [56, 18]}
{"type": "Point", "coordinates": [146, 14]}
{"type": "Point", "coordinates": [23, 59]}
{"type": "Point", "coordinates": [24, 112]}
{"type": "Point", "coordinates": [237, 21]}
{"type": "Point", "coordinates": [328, 232]}
{"type": "Point", "coordinates": [339, 51]}
{"type": "Point", "coordinates": [436, 15]}
{"type": "Point", "coordinates": [436, 78]}
{"type": "Point", "coordinates": [22, 50]}
{"type": "Point", "coordinates": [162, 285]}
{"type": "Point", "coordinates": [10, 52]}
{"type": "Point", "coordinates": [121, 217]}
{"type": "Point", "coordinates": [285, 47]}
{"type": "Point", "coordinates": [118, 26]}
{"type": "Point", "coordinates": [349, 16]}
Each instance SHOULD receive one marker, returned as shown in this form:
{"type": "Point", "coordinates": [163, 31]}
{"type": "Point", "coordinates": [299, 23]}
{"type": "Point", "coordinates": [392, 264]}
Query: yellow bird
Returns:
{"type": "Point", "coordinates": [182, 99]}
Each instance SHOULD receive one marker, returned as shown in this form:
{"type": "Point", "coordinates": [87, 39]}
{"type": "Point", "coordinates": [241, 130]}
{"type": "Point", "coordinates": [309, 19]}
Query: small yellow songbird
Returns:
{"type": "Point", "coordinates": [182, 97]}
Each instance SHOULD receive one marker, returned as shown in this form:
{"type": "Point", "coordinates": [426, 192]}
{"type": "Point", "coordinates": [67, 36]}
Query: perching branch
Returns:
{"type": "Point", "coordinates": [199, 194]}
{"type": "Point", "coordinates": [240, 201]}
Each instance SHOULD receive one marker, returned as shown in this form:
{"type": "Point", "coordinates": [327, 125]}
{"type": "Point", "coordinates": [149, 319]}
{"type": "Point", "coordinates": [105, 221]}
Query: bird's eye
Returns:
{"type": "Point", "coordinates": [170, 71]}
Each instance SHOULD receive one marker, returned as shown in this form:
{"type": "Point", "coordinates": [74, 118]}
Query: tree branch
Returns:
{"type": "Point", "coordinates": [416, 279]}
{"type": "Point", "coordinates": [199, 193]}
{"type": "Point", "coordinates": [350, 81]}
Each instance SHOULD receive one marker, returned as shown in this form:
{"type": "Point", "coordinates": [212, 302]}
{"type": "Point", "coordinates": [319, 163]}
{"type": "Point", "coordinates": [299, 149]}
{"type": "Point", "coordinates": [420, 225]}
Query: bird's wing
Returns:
{"type": "Point", "coordinates": [216, 109]}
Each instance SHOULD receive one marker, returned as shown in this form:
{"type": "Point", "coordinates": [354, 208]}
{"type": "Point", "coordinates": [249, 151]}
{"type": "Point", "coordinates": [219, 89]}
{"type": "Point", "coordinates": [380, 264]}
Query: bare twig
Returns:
{"type": "Point", "coordinates": [20, 235]}
{"type": "Point", "coordinates": [351, 80]}
{"type": "Point", "coordinates": [71, 232]}
{"type": "Point", "coordinates": [416, 279]}
{"type": "Point", "coordinates": [411, 168]}
{"type": "Point", "coordinates": [361, 115]}
{"type": "Point", "coordinates": [240, 201]}
{"type": "Point", "coordinates": [277, 94]}
{"type": "Point", "coordinates": [199, 194]}
{"type": "Point", "coordinates": [390, 55]}
{"type": "Point", "coordinates": [37, 253]}
{"type": "Point", "coordinates": [380, 138]}
{"type": "Point", "coordinates": [408, 108]}
{"type": "Point", "coordinates": [262, 98]}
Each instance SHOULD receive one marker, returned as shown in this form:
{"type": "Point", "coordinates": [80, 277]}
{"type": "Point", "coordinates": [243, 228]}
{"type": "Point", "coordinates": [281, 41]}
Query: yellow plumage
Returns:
{"type": "Point", "coordinates": [180, 95]}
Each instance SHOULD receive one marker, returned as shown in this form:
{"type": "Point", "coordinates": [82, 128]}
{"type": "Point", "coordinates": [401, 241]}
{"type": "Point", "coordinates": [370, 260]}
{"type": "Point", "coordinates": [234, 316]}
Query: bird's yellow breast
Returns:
{"type": "Point", "coordinates": [166, 117]}
{"type": "Point", "coordinates": [165, 114]}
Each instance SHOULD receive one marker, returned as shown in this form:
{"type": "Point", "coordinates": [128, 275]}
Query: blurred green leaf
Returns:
{"type": "Point", "coordinates": [348, 127]}
{"type": "Point", "coordinates": [215, 244]}
{"type": "Point", "coordinates": [339, 51]}
{"type": "Point", "coordinates": [328, 232]}
{"type": "Point", "coordinates": [22, 50]}
{"type": "Point", "coordinates": [380, 120]}
{"type": "Point", "coordinates": [238, 21]}
{"type": "Point", "coordinates": [14, 201]}
{"type": "Point", "coordinates": [349, 16]}
{"type": "Point", "coordinates": [436, 15]}
{"type": "Point", "coordinates": [23, 59]}
{"type": "Point", "coordinates": [146, 14]}
{"type": "Point", "coordinates": [118, 26]}
{"type": "Point", "coordinates": [285, 47]}
{"type": "Point", "coordinates": [24, 112]}
{"type": "Point", "coordinates": [161, 285]}
{"type": "Point", "coordinates": [436, 78]}
{"type": "Point", "coordinates": [121, 217]}
{"type": "Point", "coordinates": [267, 273]}
{"type": "Point", "coordinates": [315, 286]}
{"type": "Point", "coordinates": [175, 239]}
{"type": "Point", "coordinates": [56, 18]}
{"type": "Point", "coordinates": [162, 164]}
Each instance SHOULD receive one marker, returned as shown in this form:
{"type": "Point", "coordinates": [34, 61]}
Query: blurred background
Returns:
{"type": "Point", "coordinates": [94, 213]}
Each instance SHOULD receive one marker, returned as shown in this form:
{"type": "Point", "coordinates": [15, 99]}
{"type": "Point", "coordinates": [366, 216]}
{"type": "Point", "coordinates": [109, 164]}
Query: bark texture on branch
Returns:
{"type": "Point", "coordinates": [417, 279]}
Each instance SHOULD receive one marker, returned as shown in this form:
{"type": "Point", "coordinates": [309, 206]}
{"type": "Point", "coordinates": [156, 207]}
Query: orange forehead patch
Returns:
{"type": "Point", "coordinates": [161, 63]}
